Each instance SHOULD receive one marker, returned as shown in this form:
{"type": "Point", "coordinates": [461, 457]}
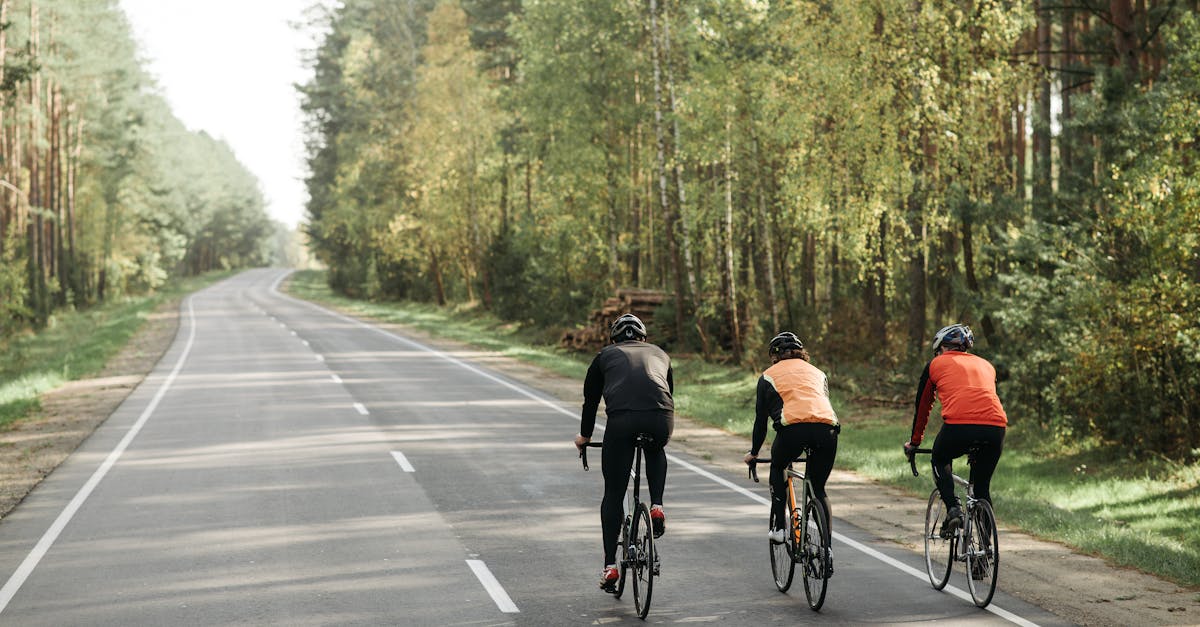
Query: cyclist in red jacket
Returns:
{"type": "Point", "coordinates": [972, 416]}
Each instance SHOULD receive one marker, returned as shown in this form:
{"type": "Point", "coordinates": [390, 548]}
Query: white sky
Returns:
{"type": "Point", "coordinates": [228, 67]}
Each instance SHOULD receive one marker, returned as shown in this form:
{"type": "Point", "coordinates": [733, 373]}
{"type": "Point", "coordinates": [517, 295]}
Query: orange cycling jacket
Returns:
{"type": "Point", "coordinates": [966, 385]}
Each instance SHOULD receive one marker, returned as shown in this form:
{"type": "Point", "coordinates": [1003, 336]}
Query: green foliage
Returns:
{"type": "Point", "coordinates": [872, 170]}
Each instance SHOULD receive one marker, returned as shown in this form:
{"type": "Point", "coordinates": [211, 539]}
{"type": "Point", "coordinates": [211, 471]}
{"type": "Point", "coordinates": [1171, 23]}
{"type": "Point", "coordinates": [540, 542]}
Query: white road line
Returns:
{"type": "Point", "coordinates": [493, 587]}
{"type": "Point", "coordinates": [320, 357]}
{"type": "Point", "coordinates": [1005, 614]}
{"type": "Point", "coordinates": [336, 379]}
{"type": "Point", "coordinates": [293, 333]}
{"type": "Point", "coordinates": [39, 551]}
{"type": "Point", "coordinates": [304, 342]}
{"type": "Point", "coordinates": [403, 461]}
{"type": "Point", "coordinates": [362, 409]}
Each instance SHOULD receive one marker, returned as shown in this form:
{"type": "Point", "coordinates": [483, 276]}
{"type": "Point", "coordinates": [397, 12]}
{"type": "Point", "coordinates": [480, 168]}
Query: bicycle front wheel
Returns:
{"type": "Point", "coordinates": [817, 559]}
{"type": "Point", "coordinates": [623, 547]}
{"type": "Point", "coordinates": [644, 564]}
{"type": "Point", "coordinates": [783, 564]}
{"type": "Point", "coordinates": [939, 551]}
{"type": "Point", "coordinates": [983, 554]}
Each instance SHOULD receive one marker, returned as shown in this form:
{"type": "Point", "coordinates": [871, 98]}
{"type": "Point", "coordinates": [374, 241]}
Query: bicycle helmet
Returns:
{"type": "Point", "coordinates": [784, 342]}
{"type": "Point", "coordinates": [954, 337]}
{"type": "Point", "coordinates": [627, 327]}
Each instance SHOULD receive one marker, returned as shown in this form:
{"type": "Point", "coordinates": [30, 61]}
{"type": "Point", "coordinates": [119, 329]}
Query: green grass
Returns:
{"type": "Point", "coordinates": [1139, 514]}
{"type": "Point", "coordinates": [74, 345]}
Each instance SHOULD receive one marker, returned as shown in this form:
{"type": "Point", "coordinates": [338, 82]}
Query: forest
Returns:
{"type": "Point", "coordinates": [103, 191]}
{"type": "Point", "coordinates": [859, 172]}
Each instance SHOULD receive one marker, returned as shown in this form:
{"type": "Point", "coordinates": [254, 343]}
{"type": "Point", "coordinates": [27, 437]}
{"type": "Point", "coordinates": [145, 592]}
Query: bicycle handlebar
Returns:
{"type": "Point", "coordinates": [583, 452]}
{"type": "Point", "coordinates": [912, 458]}
{"type": "Point", "coordinates": [753, 466]}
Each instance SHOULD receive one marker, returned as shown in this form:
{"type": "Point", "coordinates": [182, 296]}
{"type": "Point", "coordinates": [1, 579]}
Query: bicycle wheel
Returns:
{"type": "Point", "coordinates": [983, 554]}
{"type": "Point", "coordinates": [816, 563]}
{"type": "Point", "coordinates": [623, 555]}
{"type": "Point", "coordinates": [783, 566]}
{"type": "Point", "coordinates": [939, 551]}
{"type": "Point", "coordinates": [645, 560]}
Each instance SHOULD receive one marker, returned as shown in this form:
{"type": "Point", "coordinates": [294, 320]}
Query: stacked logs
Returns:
{"type": "Point", "coordinates": [639, 302]}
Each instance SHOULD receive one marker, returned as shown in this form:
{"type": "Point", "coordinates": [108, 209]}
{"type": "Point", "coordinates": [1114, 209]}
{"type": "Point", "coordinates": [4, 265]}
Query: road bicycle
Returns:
{"type": "Point", "coordinates": [976, 543]}
{"type": "Point", "coordinates": [638, 557]}
{"type": "Point", "coordinates": [807, 539]}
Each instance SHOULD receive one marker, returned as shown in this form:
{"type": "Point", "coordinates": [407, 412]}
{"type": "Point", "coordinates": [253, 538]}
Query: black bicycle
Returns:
{"type": "Point", "coordinates": [806, 541]}
{"type": "Point", "coordinates": [637, 552]}
{"type": "Point", "coordinates": [976, 543]}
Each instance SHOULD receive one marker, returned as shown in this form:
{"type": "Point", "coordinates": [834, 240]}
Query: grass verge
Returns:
{"type": "Point", "coordinates": [75, 345]}
{"type": "Point", "coordinates": [1138, 514]}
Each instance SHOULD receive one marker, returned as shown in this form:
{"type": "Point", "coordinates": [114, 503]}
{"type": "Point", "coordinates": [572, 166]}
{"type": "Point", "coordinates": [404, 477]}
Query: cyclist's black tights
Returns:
{"type": "Point", "coordinates": [616, 457]}
{"type": "Point", "coordinates": [953, 441]}
{"type": "Point", "coordinates": [790, 442]}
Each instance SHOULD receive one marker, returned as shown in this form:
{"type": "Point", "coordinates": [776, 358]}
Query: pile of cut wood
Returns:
{"type": "Point", "coordinates": [639, 302]}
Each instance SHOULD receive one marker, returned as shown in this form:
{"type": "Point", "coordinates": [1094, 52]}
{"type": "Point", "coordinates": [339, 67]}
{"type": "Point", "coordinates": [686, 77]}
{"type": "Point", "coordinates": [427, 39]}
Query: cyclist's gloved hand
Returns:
{"type": "Point", "coordinates": [749, 458]}
{"type": "Point", "coordinates": [581, 441]}
{"type": "Point", "coordinates": [909, 447]}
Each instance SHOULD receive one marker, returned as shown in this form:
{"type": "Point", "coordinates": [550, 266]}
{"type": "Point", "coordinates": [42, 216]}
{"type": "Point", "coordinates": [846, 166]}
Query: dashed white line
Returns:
{"type": "Point", "coordinates": [304, 342]}
{"type": "Point", "coordinates": [362, 409]}
{"type": "Point", "coordinates": [336, 379]}
{"type": "Point", "coordinates": [320, 358]}
{"type": "Point", "coordinates": [493, 587]}
{"type": "Point", "coordinates": [403, 461]}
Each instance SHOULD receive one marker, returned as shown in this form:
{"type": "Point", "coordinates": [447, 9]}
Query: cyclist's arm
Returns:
{"type": "Point", "coordinates": [923, 406]}
{"type": "Point", "coordinates": [593, 391]}
{"type": "Point", "coordinates": [670, 380]}
{"type": "Point", "coordinates": [762, 409]}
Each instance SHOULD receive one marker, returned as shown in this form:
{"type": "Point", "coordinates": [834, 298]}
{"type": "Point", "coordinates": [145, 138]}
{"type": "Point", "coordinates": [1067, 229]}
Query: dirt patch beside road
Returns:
{"type": "Point", "coordinates": [1079, 588]}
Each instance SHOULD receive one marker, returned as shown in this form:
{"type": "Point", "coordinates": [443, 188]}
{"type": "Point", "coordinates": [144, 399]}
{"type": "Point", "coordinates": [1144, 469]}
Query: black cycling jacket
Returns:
{"type": "Point", "coordinates": [629, 376]}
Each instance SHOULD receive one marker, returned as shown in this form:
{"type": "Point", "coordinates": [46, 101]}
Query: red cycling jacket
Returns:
{"type": "Point", "coordinates": [966, 386]}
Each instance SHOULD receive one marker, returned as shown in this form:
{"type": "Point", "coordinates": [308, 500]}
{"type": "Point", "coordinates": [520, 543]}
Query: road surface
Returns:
{"type": "Point", "coordinates": [287, 465]}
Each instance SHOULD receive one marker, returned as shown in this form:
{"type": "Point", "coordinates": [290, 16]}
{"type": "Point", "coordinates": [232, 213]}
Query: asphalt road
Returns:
{"type": "Point", "coordinates": [286, 465]}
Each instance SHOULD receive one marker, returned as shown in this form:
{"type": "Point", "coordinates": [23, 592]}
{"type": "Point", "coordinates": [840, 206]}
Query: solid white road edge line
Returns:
{"type": "Point", "coordinates": [403, 461]}
{"type": "Point", "coordinates": [998, 611]}
{"type": "Point", "coordinates": [35, 556]}
{"type": "Point", "coordinates": [493, 587]}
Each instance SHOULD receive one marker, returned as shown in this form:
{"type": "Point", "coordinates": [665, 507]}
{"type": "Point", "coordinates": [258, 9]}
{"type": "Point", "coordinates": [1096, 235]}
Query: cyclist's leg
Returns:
{"type": "Point", "coordinates": [949, 444]}
{"type": "Point", "coordinates": [992, 439]}
{"type": "Point", "coordinates": [658, 425]}
{"type": "Point", "coordinates": [616, 460]}
{"type": "Point", "coordinates": [784, 449]}
{"type": "Point", "coordinates": [822, 438]}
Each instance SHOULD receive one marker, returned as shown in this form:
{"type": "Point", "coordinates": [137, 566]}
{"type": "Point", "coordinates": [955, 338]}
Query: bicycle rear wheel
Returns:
{"type": "Point", "coordinates": [783, 565]}
{"type": "Point", "coordinates": [983, 554]}
{"type": "Point", "coordinates": [816, 555]}
{"type": "Point", "coordinates": [645, 560]}
{"type": "Point", "coordinates": [939, 551]}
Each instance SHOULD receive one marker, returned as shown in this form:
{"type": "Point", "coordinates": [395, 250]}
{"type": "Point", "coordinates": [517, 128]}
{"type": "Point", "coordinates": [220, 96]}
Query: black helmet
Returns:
{"type": "Point", "coordinates": [627, 327]}
{"type": "Point", "coordinates": [954, 337]}
{"type": "Point", "coordinates": [785, 341]}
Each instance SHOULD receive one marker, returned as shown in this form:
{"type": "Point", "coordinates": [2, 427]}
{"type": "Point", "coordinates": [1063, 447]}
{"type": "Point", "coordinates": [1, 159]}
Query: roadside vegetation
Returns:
{"type": "Point", "coordinates": [1134, 513]}
{"type": "Point", "coordinates": [75, 345]}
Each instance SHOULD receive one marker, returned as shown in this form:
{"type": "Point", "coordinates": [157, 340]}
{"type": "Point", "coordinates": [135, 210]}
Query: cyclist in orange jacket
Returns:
{"type": "Point", "coordinates": [793, 395]}
{"type": "Point", "coordinates": [972, 416]}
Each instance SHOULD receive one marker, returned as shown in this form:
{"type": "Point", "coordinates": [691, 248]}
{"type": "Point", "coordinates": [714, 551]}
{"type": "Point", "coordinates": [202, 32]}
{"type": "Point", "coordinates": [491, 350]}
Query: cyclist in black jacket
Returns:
{"type": "Point", "coordinates": [634, 379]}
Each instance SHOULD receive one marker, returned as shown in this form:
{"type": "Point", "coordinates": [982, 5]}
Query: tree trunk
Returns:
{"type": "Point", "coordinates": [660, 166]}
{"type": "Point", "coordinates": [1125, 39]}
{"type": "Point", "coordinates": [767, 256]}
{"type": "Point", "coordinates": [1042, 171]}
{"type": "Point", "coordinates": [681, 213]}
{"type": "Point", "coordinates": [735, 329]}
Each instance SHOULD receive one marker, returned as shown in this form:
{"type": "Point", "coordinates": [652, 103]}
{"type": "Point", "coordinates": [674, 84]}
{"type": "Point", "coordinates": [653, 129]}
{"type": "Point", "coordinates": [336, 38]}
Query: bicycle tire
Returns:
{"type": "Point", "coordinates": [623, 560]}
{"type": "Point", "coordinates": [939, 551]}
{"type": "Point", "coordinates": [815, 569]}
{"type": "Point", "coordinates": [983, 554]}
{"type": "Point", "coordinates": [644, 562]}
{"type": "Point", "coordinates": [783, 560]}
